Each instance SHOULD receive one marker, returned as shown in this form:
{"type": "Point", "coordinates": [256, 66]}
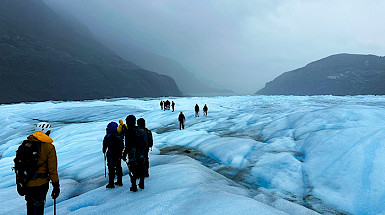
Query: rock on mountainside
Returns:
{"type": "Point", "coordinates": [341, 74]}
{"type": "Point", "coordinates": [45, 57]}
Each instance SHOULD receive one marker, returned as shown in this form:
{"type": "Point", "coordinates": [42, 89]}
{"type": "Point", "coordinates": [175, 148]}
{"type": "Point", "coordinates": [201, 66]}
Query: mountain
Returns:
{"type": "Point", "coordinates": [341, 74]}
{"type": "Point", "coordinates": [46, 57]}
{"type": "Point", "coordinates": [186, 81]}
{"type": "Point", "coordinates": [127, 47]}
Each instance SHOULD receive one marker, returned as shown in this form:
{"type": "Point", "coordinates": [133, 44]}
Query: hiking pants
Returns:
{"type": "Point", "coordinates": [113, 170]}
{"type": "Point", "coordinates": [147, 164]}
{"type": "Point", "coordinates": [181, 125]}
{"type": "Point", "coordinates": [35, 197]}
{"type": "Point", "coordinates": [137, 171]}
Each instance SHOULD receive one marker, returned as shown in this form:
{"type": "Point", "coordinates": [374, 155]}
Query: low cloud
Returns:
{"type": "Point", "coordinates": [240, 45]}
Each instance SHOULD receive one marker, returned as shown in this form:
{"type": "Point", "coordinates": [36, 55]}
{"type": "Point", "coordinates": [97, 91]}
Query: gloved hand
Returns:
{"type": "Point", "coordinates": [56, 190]}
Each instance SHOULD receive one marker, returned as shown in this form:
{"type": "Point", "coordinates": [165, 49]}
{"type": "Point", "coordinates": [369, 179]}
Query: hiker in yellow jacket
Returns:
{"type": "Point", "coordinates": [37, 187]}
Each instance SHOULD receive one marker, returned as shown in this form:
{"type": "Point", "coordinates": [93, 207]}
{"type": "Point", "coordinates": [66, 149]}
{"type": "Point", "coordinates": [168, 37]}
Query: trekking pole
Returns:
{"type": "Point", "coordinates": [54, 207]}
{"type": "Point", "coordinates": [105, 169]}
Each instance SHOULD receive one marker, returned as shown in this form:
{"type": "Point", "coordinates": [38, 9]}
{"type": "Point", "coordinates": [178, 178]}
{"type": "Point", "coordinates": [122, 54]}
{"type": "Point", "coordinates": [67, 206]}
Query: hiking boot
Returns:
{"type": "Point", "coordinates": [133, 189]}
{"type": "Point", "coordinates": [110, 186]}
{"type": "Point", "coordinates": [141, 186]}
{"type": "Point", "coordinates": [141, 183]}
{"type": "Point", "coordinates": [119, 174]}
{"type": "Point", "coordinates": [119, 183]}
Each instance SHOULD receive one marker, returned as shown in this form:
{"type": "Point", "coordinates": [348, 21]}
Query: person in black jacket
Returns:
{"type": "Point", "coordinates": [196, 110]}
{"type": "Point", "coordinates": [181, 120]}
{"type": "Point", "coordinates": [161, 105]}
{"type": "Point", "coordinates": [205, 109]}
{"type": "Point", "coordinates": [135, 148]}
{"type": "Point", "coordinates": [142, 124]}
{"type": "Point", "coordinates": [113, 148]}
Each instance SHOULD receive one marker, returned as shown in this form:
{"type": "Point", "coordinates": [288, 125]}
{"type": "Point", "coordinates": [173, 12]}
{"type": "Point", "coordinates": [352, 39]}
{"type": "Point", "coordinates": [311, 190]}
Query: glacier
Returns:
{"type": "Point", "coordinates": [250, 155]}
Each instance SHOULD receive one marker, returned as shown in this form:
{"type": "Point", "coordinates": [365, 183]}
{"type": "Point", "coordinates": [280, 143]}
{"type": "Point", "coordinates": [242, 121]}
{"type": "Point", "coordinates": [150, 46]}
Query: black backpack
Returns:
{"type": "Point", "coordinates": [142, 138]}
{"type": "Point", "coordinates": [137, 152]}
{"type": "Point", "coordinates": [26, 164]}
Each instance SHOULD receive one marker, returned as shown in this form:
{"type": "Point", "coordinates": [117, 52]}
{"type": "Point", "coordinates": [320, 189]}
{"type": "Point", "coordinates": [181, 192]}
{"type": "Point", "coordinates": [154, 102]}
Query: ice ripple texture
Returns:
{"type": "Point", "coordinates": [322, 152]}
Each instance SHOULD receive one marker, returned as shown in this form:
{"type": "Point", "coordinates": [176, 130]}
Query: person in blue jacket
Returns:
{"type": "Point", "coordinates": [112, 148]}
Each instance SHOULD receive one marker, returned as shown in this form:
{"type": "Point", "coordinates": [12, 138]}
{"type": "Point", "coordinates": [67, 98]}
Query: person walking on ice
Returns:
{"type": "Point", "coordinates": [149, 143]}
{"type": "Point", "coordinates": [173, 106]}
{"type": "Point", "coordinates": [161, 105]}
{"type": "Point", "coordinates": [35, 166]}
{"type": "Point", "coordinates": [196, 110]}
{"type": "Point", "coordinates": [205, 109]}
{"type": "Point", "coordinates": [136, 141]}
{"type": "Point", "coordinates": [181, 120]}
{"type": "Point", "coordinates": [112, 149]}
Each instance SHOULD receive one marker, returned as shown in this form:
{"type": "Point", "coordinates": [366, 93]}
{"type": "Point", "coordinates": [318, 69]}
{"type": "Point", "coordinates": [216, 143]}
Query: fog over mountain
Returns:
{"type": "Point", "coordinates": [240, 45]}
{"type": "Point", "coordinates": [341, 74]}
{"type": "Point", "coordinates": [45, 57]}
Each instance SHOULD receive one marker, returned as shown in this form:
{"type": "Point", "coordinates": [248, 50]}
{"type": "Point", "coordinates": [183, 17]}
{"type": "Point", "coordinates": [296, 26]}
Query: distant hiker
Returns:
{"type": "Point", "coordinates": [181, 120]}
{"type": "Point", "coordinates": [161, 105]}
{"type": "Point", "coordinates": [196, 110]}
{"type": "Point", "coordinates": [142, 125]}
{"type": "Point", "coordinates": [35, 166]}
{"type": "Point", "coordinates": [173, 106]}
{"type": "Point", "coordinates": [205, 109]}
{"type": "Point", "coordinates": [167, 105]}
{"type": "Point", "coordinates": [135, 147]}
{"type": "Point", "coordinates": [113, 148]}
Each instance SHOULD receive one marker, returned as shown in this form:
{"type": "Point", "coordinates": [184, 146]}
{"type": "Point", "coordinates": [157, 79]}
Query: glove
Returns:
{"type": "Point", "coordinates": [56, 190]}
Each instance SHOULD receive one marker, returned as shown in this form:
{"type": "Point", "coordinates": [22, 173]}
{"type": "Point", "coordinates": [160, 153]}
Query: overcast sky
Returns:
{"type": "Point", "coordinates": [239, 44]}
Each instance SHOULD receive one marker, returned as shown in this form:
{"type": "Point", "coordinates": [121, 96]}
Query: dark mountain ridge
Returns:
{"type": "Point", "coordinates": [186, 81]}
{"type": "Point", "coordinates": [127, 48]}
{"type": "Point", "coordinates": [45, 57]}
{"type": "Point", "coordinates": [341, 74]}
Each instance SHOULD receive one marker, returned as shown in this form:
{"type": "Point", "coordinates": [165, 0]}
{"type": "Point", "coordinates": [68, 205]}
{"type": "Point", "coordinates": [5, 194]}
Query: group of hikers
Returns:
{"type": "Point", "coordinates": [205, 109]}
{"type": "Point", "coordinates": [182, 118]}
{"type": "Point", "coordinates": [36, 160]}
{"type": "Point", "coordinates": [137, 143]}
{"type": "Point", "coordinates": [165, 105]}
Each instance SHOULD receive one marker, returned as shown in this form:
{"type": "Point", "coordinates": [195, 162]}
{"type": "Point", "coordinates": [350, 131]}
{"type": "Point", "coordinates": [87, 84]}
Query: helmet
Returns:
{"type": "Point", "coordinates": [43, 127]}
